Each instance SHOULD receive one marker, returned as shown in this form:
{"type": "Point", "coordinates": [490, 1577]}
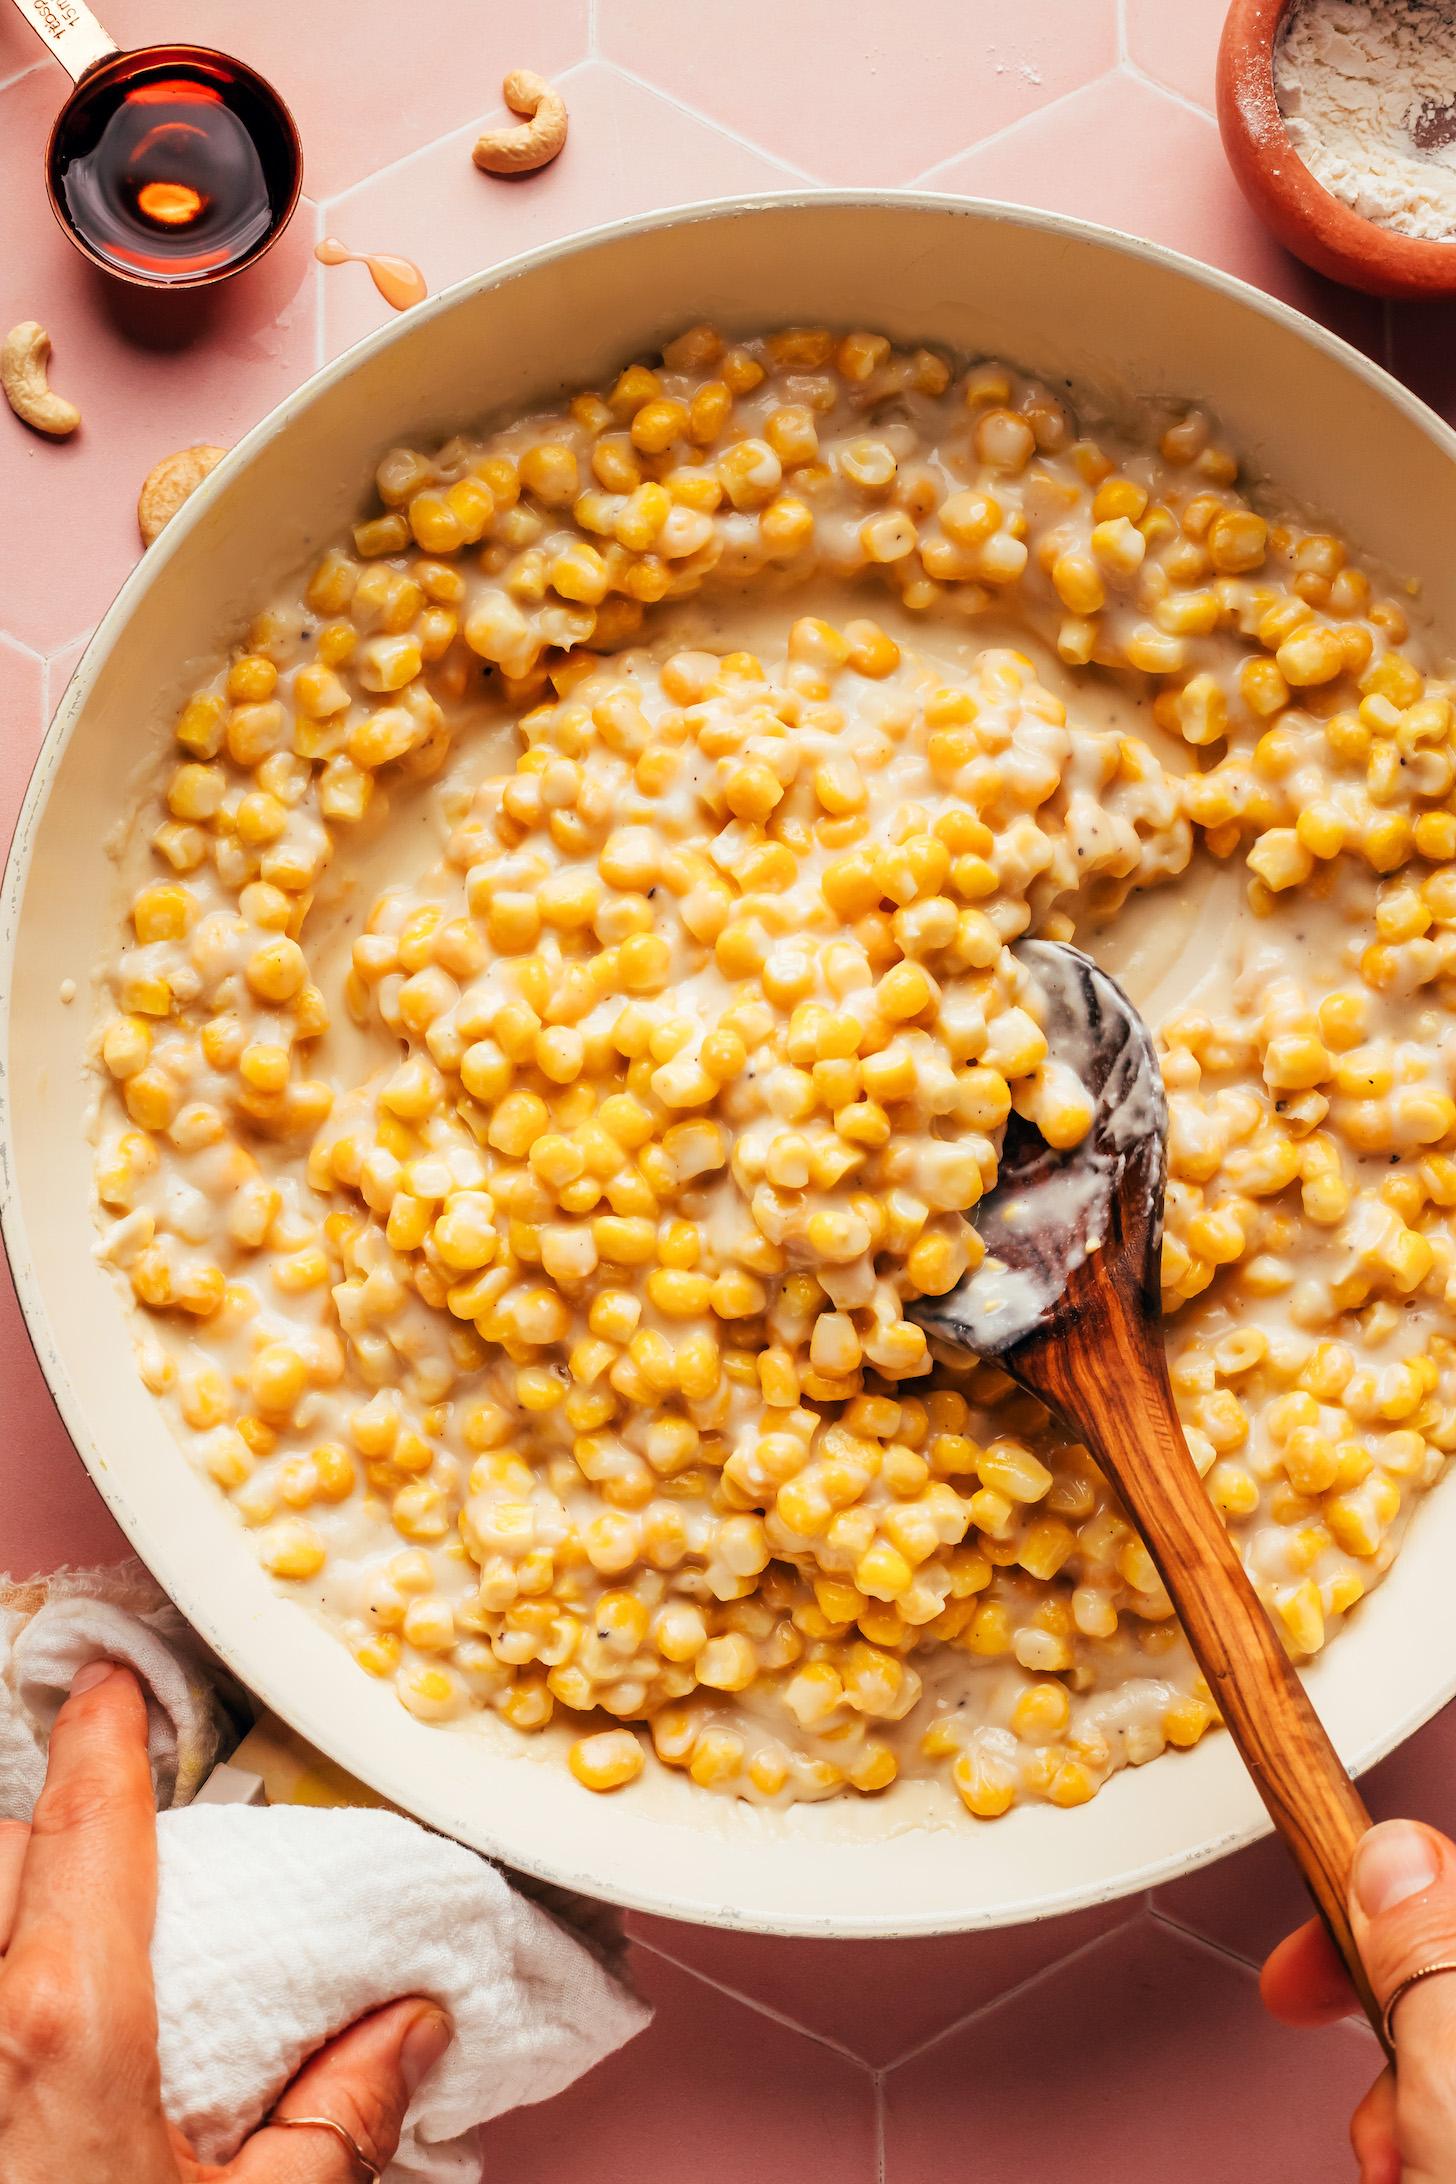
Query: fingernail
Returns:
{"type": "Point", "coordinates": [87, 1678]}
{"type": "Point", "coordinates": [1393, 1861]}
{"type": "Point", "coordinates": [424, 2044]}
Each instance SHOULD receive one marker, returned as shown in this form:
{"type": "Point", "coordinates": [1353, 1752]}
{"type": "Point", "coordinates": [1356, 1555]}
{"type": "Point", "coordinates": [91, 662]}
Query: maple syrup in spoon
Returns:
{"type": "Point", "coordinates": [175, 165]}
{"type": "Point", "coordinates": [172, 166]}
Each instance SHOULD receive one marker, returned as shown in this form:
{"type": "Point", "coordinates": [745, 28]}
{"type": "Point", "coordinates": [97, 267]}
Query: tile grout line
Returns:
{"type": "Point", "coordinates": [1006, 1994]}
{"type": "Point", "coordinates": [999, 136]}
{"type": "Point", "coordinates": [20, 74]}
{"type": "Point", "coordinates": [1120, 28]}
{"type": "Point", "coordinates": [320, 291]}
{"type": "Point", "coordinates": [1135, 73]}
{"type": "Point", "coordinates": [82, 637]}
{"type": "Point", "coordinates": [877, 2090]}
{"type": "Point", "coordinates": [707, 121]}
{"type": "Point", "coordinates": [751, 2002]}
{"type": "Point", "coordinates": [1228, 1955]}
{"type": "Point", "coordinates": [1191, 1933]}
{"type": "Point", "coordinates": [592, 47]}
{"type": "Point", "coordinates": [471, 128]}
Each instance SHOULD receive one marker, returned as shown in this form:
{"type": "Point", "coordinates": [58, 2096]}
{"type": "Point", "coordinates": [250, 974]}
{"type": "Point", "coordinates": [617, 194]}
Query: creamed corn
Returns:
{"type": "Point", "coordinates": [537, 1279]}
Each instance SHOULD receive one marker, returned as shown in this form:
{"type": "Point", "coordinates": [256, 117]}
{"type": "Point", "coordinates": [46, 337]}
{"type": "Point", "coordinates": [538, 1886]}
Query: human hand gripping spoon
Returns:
{"type": "Point", "coordinates": [1066, 1301]}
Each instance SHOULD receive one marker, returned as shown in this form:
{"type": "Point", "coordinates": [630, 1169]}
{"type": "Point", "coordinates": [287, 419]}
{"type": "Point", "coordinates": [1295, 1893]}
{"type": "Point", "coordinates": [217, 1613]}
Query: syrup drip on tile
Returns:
{"type": "Point", "coordinates": [399, 280]}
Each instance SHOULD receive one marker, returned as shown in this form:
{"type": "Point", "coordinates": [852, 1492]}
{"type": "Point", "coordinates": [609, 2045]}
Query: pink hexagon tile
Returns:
{"type": "Point", "coordinates": [364, 86]}
{"type": "Point", "coordinates": [867, 94]}
{"type": "Point", "coordinates": [1423, 351]}
{"type": "Point", "coordinates": [712, 2089]}
{"type": "Point", "coordinates": [879, 1999]}
{"type": "Point", "coordinates": [1146, 2056]}
{"type": "Point", "coordinates": [53, 1513]}
{"type": "Point", "coordinates": [1248, 1902]}
{"type": "Point", "coordinates": [1245, 1903]}
{"type": "Point", "coordinates": [1178, 44]}
{"type": "Point", "coordinates": [47, 1497]}
{"type": "Point", "coordinates": [21, 51]}
{"type": "Point", "coordinates": [60, 667]}
{"type": "Point", "coordinates": [1420, 1776]}
{"type": "Point", "coordinates": [22, 712]}
{"type": "Point", "coordinates": [149, 374]}
{"type": "Point", "coordinates": [1123, 153]}
{"type": "Point", "coordinates": [628, 150]}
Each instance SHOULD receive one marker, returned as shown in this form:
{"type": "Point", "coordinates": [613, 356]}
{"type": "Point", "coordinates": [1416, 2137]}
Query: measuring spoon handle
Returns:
{"type": "Point", "coordinates": [71, 31]}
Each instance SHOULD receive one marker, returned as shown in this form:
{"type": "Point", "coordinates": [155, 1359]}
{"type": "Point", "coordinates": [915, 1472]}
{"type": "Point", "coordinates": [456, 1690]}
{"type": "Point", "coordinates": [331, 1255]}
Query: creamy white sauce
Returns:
{"type": "Point", "coordinates": [991, 1619]}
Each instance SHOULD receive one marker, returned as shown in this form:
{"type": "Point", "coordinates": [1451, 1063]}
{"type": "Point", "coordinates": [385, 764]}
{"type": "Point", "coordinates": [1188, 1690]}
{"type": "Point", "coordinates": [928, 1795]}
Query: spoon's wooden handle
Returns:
{"type": "Point", "coordinates": [1117, 1392]}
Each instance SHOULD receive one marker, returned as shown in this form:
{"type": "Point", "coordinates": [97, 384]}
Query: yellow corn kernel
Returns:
{"type": "Point", "coordinates": [1232, 1490]}
{"type": "Point", "coordinates": [200, 1290]}
{"type": "Point", "coordinates": [942, 1740]}
{"type": "Point", "coordinates": [1045, 1546]}
{"type": "Point", "coordinates": [1280, 859]}
{"type": "Point", "coordinates": [1078, 583]}
{"type": "Point", "coordinates": [882, 1572]}
{"type": "Point", "coordinates": [717, 1758]}
{"type": "Point", "coordinates": [549, 472]}
{"type": "Point", "coordinates": [126, 1045]}
{"type": "Point", "coordinates": [164, 911]}
{"type": "Point", "coordinates": [729, 1663]}
{"type": "Point", "coordinates": [1301, 1611]}
{"type": "Point", "coordinates": [1072, 1784]}
{"type": "Point", "coordinates": [1118, 497]}
{"type": "Point", "coordinates": [679, 1295]}
{"type": "Point", "coordinates": [293, 1550]}
{"type": "Point", "coordinates": [1237, 541]}
{"type": "Point", "coordinates": [277, 1378]}
{"type": "Point", "coordinates": [606, 1761]}
{"type": "Point", "coordinates": [986, 1783]}
{"type": "Point", "coordinates": [1012, 1470]}
{"type": "Point", "coordinates": [1042, 1712]}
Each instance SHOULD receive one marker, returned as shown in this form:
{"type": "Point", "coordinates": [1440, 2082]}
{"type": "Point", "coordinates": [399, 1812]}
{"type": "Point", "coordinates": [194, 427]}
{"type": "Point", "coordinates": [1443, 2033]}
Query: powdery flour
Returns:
{"type": "Point", "coordinates": [1367, 89]}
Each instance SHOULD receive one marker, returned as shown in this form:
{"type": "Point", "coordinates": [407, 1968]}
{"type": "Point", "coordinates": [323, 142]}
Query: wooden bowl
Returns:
{"type": "Point", "coordinates": [1300, 211]}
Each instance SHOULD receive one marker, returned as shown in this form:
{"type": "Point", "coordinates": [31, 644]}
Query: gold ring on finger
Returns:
{"type": "Point", "coordinates": [1412, 1979]}
{"type": "Point", "coordinates": [326, 2123]}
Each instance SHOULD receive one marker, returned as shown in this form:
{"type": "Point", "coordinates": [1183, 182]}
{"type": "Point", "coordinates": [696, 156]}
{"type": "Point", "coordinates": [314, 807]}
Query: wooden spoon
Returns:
{"type": "Point", "coordinates": [1067, 1302]}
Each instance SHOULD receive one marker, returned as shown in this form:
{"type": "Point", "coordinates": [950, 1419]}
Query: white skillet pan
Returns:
{"type": "Point", "coordinates": [1070, 301]}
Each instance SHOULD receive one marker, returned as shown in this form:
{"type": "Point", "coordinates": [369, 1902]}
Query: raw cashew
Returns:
{"type": "Point", "coordinates": [168, 484]}
{"type": "Point", "coordinates": [23, 360]}
{"type": "Point", "coordinates": [530, 143]}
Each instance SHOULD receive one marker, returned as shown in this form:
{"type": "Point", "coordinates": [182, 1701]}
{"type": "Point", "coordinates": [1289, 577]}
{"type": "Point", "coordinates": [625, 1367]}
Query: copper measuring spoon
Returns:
{"type": "Point", "coordinates": [1067, 1302]}
{"type": "Point", "coordinates": [170, 166]}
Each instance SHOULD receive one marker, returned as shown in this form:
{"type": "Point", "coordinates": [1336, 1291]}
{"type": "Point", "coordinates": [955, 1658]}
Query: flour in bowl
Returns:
{"type": "Point", "coordinates": [1368, 96]}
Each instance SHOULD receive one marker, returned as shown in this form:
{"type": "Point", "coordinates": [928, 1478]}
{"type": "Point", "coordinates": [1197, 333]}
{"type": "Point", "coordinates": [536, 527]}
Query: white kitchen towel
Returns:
{"type": "Point", "coordinates": [52, 1626]}
{"type": "Point", "coordinates": [277, 1928]}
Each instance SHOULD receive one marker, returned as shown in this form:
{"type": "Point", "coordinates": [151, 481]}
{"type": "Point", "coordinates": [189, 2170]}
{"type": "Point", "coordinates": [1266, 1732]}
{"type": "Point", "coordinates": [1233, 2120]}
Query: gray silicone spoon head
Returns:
{"type": "Point", "coordinates": [1051, 1213]}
